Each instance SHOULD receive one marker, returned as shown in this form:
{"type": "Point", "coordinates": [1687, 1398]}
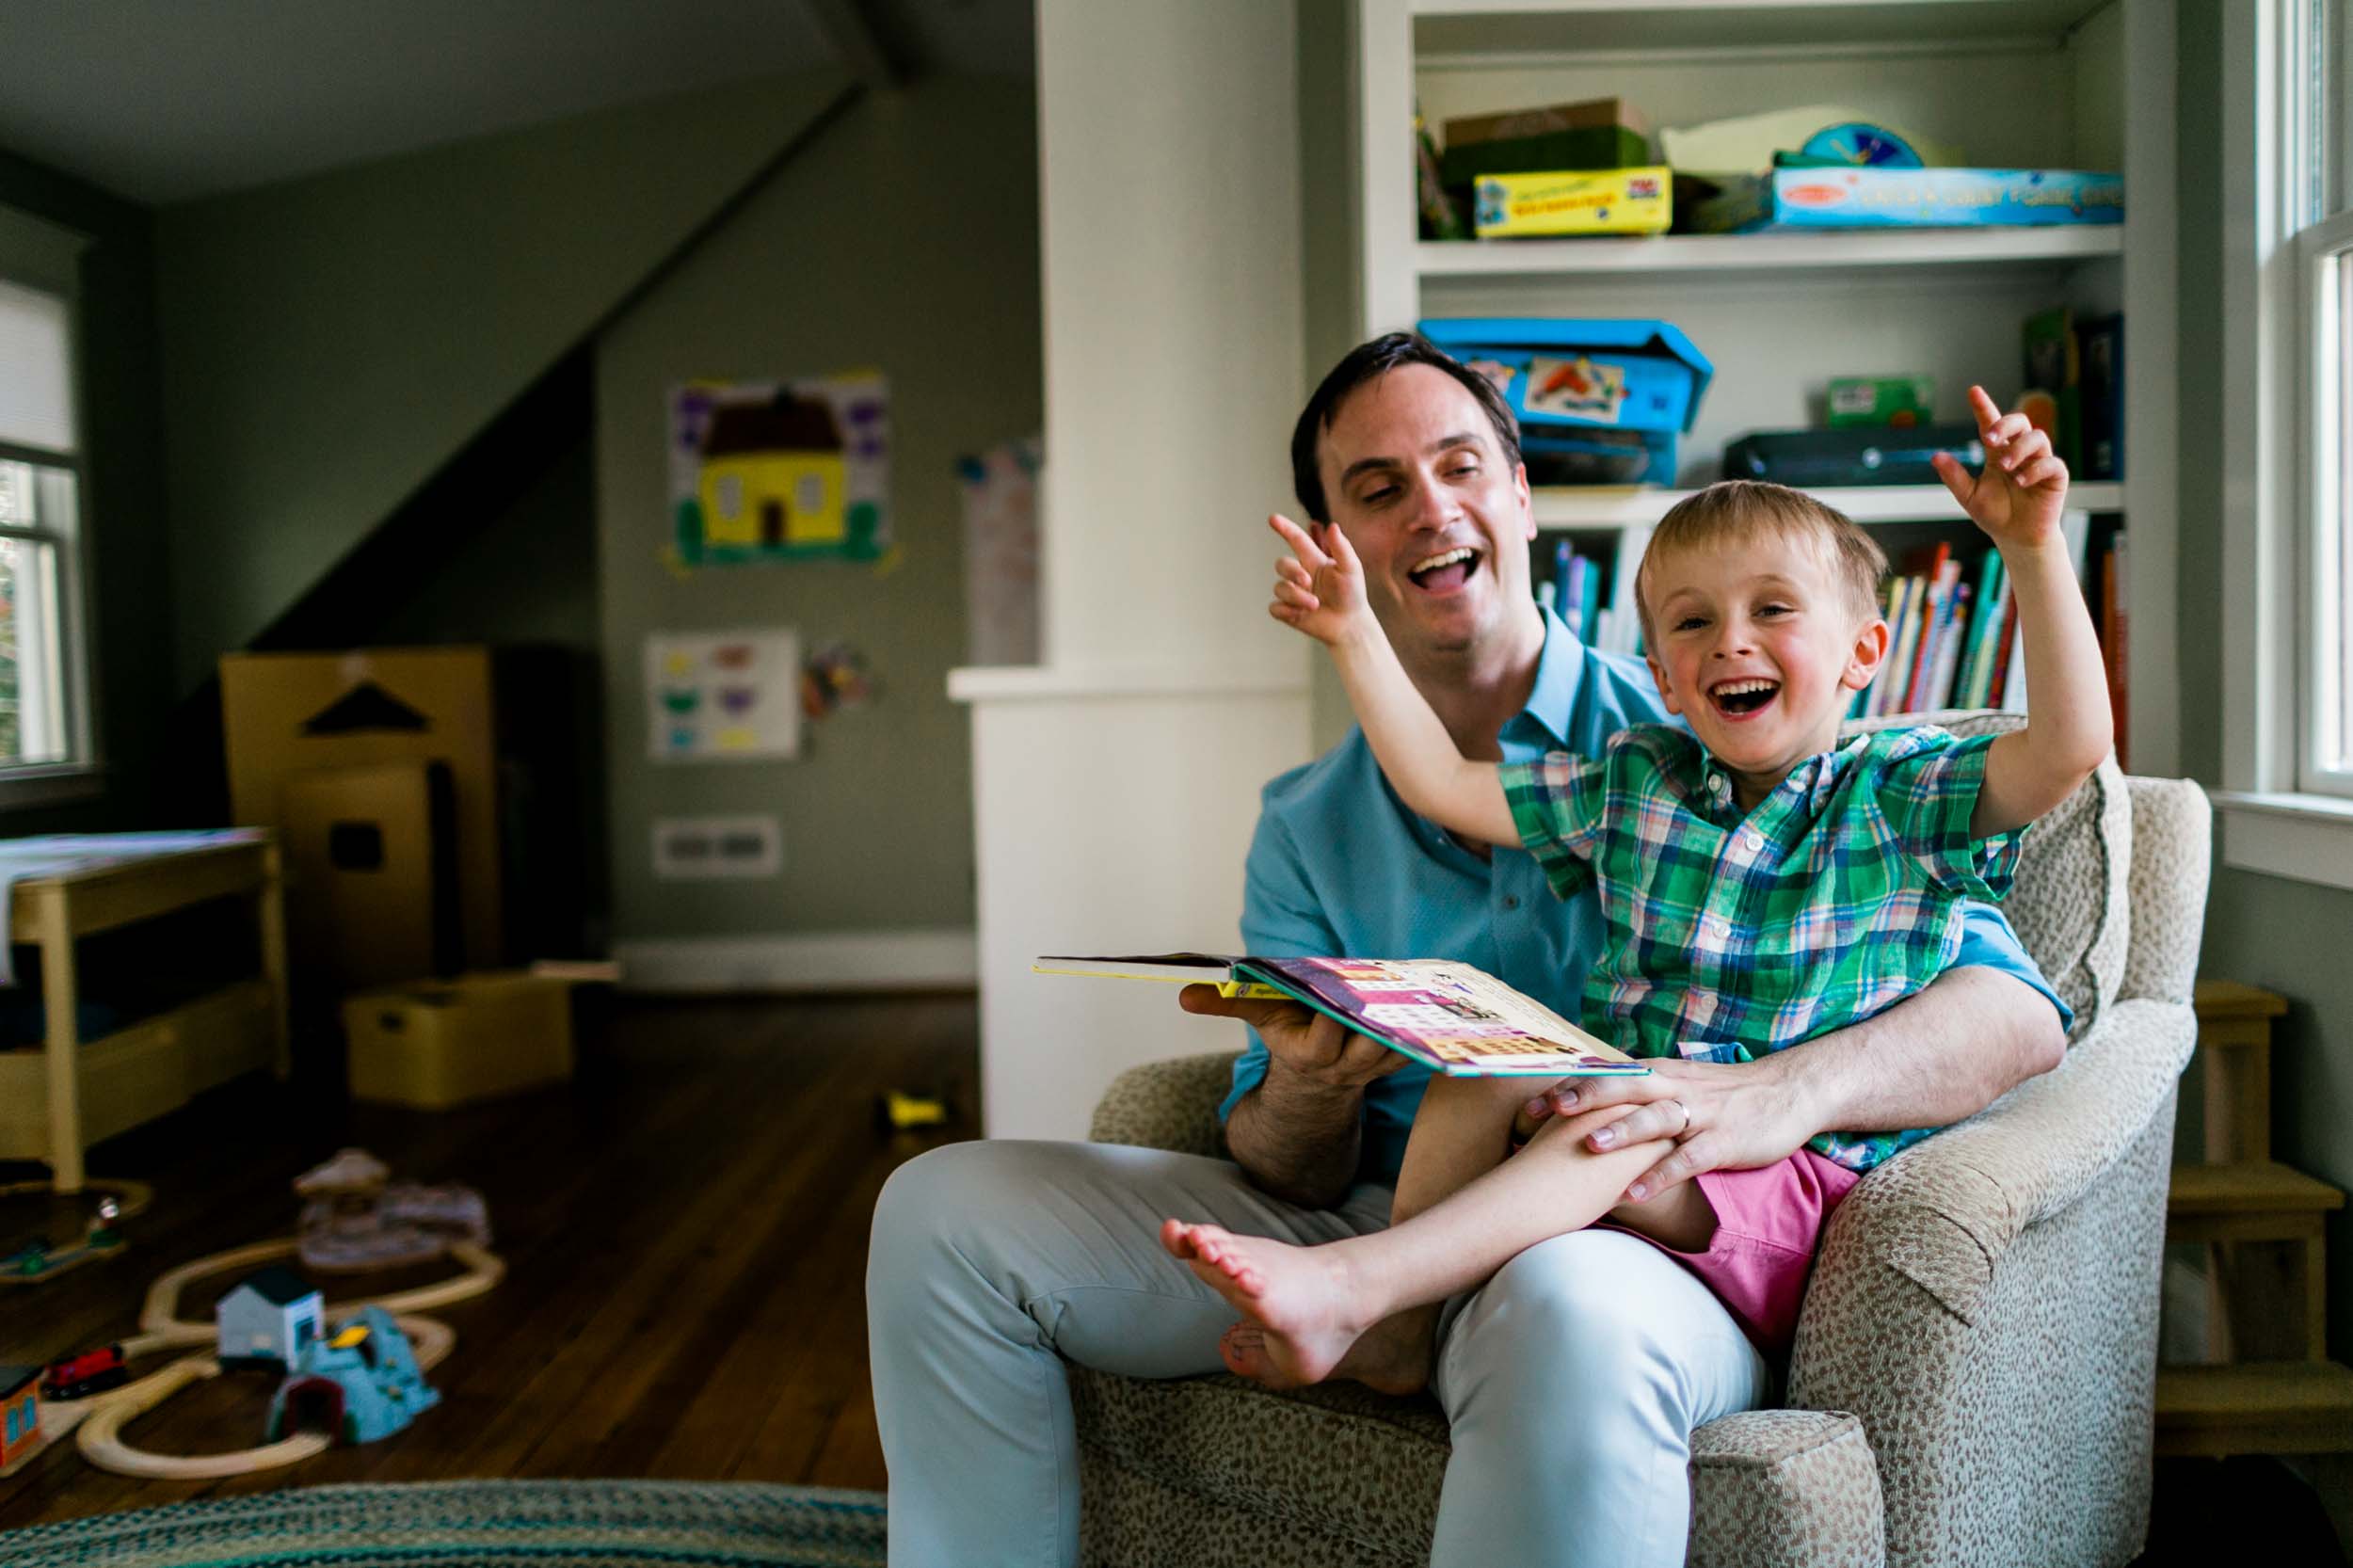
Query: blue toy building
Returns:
{"type": "Point", "coordinates": [360, 1384]}
{"type": "Point", "coordinates": [269, 1318]}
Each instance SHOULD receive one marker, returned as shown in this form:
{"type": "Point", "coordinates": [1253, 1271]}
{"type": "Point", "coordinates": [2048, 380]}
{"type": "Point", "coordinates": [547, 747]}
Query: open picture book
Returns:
{"type": "Point", "coordinates": [1457, 1019]}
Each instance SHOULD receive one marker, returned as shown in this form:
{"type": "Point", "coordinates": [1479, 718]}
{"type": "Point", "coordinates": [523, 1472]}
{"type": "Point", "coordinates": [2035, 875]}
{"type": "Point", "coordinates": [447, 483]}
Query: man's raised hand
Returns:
{"type": "Point", "coordinates": [2019, 494]}
{"type": "Point", "coordinates": [1320, 587]}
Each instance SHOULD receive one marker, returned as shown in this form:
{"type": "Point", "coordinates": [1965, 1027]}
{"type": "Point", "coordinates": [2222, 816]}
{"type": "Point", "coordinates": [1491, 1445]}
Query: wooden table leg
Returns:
{"type": "Point", "coordinates": [63, 1063]}
{"type": "Point", "coordinates": [271, 911]}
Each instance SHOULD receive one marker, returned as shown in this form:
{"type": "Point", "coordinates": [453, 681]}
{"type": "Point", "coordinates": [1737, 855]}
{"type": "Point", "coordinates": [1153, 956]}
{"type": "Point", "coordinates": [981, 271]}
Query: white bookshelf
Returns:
{"type": "Point", "coordinates": [1603, 508]}
{"type": "Point", "coordinates": [1998, 83]}
{"type": "Point", "coordinates": [1692, 255]}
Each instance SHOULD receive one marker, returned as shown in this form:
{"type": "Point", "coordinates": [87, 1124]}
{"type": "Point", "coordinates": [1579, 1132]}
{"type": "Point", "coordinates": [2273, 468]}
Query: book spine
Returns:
{"type": "Point", "coordinates": [1991, 586]}
{"type": "Point", "coordinates": [1948, 650]}
{"type": "Point", "coordinates": [1884, 698]}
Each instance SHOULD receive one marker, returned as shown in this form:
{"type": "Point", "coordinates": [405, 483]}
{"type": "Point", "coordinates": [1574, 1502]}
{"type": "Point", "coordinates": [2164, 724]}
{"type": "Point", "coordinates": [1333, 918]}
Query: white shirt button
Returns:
{"type": "Point", "coordinates": [1750, 840]}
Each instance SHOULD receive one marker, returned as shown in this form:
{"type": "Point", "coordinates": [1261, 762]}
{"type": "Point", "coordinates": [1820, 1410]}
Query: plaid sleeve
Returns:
{"type": "Point", "coordinates": [1556, 803]}
{"type": "Point", "coordinates": [1926, 783]}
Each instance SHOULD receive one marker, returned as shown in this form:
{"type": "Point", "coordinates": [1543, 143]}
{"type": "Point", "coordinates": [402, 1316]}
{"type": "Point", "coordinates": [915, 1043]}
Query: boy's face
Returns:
{"type": "Point", "coordinates": [1413, 475]}
{"type": "Point", "coordinates": [1760, 647]}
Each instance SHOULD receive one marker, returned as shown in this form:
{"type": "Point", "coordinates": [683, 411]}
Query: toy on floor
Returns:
{"type": "Point", "coordinates": [360, 1385]}
{"type": "Point", "coordinates": [898, 1111]}
{"type": "Point", "coordinates": [38, 1260]}
{"type": "Point", "coordinates": [20, 1412]}
{"type": "Point", "coordinates": [91, 1399]}
{"type": "Point", "coordinates": [78, 1377]}
{"type": "Point", "coordinates": [268, 1319]}
{"type": "Point", "coordinates": [354, 1218]}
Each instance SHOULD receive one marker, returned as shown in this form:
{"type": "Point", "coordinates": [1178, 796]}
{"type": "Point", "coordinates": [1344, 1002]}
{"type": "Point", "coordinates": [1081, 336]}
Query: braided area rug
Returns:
{"type": "Point", "coordinates": [512, 1524]}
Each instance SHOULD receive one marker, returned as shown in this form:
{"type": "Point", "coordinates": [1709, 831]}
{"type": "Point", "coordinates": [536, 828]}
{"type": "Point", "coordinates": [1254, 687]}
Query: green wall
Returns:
{"type": "Point", "coordinates": [903, 240]}
{"type": "Point", "coordinates": [330, 342]}
{"type": "Point", "coordinates": [123, 499]}
{"type": "Point", "coordinates": [2289, 937]}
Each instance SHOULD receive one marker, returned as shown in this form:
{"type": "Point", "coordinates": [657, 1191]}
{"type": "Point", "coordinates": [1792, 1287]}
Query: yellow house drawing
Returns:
{"type": "Point", "coordinates": [773, 475]}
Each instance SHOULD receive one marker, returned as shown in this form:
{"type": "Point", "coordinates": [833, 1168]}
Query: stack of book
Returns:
{"type": "Point", "coordinates": [1953, 639]}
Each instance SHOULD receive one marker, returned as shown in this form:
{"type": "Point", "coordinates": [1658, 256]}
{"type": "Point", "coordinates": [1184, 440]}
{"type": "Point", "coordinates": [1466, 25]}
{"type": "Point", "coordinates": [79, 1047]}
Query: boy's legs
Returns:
{"type": "Point", "coordinates": [1316, 1303]}
{"type": "Point", "coordinates": [991, 1264]}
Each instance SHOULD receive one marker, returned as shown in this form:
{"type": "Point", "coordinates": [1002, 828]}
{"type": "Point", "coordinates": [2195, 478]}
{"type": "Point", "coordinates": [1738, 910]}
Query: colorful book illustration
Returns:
{"type": "Point", "coordinates": [1449, 1016]}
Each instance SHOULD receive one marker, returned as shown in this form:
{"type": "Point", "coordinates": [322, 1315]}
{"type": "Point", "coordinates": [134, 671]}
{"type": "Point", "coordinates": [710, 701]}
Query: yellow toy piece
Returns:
{"type": "Point", "coordinates": [904, 1113]}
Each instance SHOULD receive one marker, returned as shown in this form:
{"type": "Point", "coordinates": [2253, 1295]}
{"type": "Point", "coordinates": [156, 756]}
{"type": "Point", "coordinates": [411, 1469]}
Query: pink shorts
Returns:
{"type": "Point", "coordinates": [1768, 1224]}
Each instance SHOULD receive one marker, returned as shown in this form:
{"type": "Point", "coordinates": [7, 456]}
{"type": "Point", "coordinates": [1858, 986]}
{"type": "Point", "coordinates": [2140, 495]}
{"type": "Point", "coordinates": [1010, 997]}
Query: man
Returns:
{"type": "Point", "coordinates": [1572, 1380]}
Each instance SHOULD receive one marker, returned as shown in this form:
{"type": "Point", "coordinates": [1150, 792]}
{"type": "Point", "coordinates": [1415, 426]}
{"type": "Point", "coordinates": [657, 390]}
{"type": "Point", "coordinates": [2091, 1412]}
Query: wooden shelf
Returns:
{"type": "Point", "coordinates": [1614, 507]}
{"type": "Point", "coordinates": [2256, 1186]}
{"type": "Point", "coordinates": [2229, 999]}
{"type": "Point", "coordinates": [2271, 1407]}
{"type": "Point", "coordinates": [1457, 29]}
{"type": "Point", "coordinates": [1832, 254]}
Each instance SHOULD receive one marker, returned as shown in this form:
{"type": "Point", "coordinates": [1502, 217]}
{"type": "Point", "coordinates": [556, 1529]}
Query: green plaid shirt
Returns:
{"type": "Point", "coordinates": [1729, 935]}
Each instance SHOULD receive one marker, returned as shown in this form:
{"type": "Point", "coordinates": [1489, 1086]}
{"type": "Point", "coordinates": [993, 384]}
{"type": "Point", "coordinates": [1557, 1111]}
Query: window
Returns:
{"type": "Point", "coordinates": [2316, 222]}
{"type": "Point", "coordinates": [2286, 399]}
{"type": "Point", "coordinates": [45, 719]}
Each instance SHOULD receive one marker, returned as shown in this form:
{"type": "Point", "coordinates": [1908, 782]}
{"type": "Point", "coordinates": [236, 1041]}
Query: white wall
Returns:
{"type": "Point", "coordinates": [1114, 788]}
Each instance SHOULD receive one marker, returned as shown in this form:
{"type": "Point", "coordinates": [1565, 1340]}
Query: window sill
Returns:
{"type": "Point", "coordinates": [22, 787]}
{"type": "Point", "coordinates": [2306, 837]}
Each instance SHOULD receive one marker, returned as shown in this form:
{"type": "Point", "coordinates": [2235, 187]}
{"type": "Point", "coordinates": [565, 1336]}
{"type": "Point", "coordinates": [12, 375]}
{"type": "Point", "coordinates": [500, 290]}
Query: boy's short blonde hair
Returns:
{"type": "Point", "coordinates": [1739, 511]}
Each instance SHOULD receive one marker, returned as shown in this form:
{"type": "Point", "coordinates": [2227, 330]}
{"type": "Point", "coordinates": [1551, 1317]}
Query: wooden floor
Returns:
{"type": "Point", "coordinates": [684, 1229]}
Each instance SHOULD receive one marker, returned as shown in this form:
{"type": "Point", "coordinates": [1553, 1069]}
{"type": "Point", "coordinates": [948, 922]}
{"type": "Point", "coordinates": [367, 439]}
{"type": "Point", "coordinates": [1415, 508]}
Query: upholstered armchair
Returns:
{"type": "Point", "coordinates": [1973, 1372]}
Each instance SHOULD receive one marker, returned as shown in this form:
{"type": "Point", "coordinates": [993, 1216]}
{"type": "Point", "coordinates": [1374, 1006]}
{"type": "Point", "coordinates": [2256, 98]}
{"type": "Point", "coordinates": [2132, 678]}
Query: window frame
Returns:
{"type": "Point", "coordinates": [2283, 145]}
{"type": "Point", "coordinates": [45, 257]}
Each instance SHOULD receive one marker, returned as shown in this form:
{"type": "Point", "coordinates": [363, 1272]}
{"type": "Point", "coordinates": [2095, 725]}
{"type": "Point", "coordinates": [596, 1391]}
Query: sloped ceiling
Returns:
{"type": "Point", "coordinates": [165, 101]}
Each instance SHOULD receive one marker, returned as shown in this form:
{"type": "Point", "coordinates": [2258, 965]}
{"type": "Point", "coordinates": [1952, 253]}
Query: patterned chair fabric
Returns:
{"type": "Point", "coordinates": [1974, 1370]}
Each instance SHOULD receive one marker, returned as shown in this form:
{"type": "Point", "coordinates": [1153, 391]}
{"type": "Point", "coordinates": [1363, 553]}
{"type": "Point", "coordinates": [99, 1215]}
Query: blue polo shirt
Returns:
{"type": "Point", "coordinates": [1340, 865]}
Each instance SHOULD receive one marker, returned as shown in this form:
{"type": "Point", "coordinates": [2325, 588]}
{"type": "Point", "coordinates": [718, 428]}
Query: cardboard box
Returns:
{"type": "Point", "coordinates": [372, 872]}
{"type": "Point", "coordinates": [440, 1044]}
{"type": "Point", "coordinates": [1887, 197]}
{"type": "Point", "coordinates": [1606, 399]}
{"type": "Point", "coordinates": [1612, 201]}
{"type": "Point", "coordinates": [289, 713]}
{"type": "Point", "coordinates": [1602, 133]}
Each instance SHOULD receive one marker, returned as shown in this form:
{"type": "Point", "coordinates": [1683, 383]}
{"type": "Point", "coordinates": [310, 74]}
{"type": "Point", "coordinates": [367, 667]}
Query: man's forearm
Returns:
{"type": "Point", "coordinates": [1932, 1059]}
{"type": "Point", "coordinates": [1298, 1140]}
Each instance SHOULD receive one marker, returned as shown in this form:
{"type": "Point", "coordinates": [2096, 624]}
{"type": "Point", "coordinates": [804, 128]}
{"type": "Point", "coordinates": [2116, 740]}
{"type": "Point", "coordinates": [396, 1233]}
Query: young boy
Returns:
{"type": "Point", "coordinates": [1762, 883]}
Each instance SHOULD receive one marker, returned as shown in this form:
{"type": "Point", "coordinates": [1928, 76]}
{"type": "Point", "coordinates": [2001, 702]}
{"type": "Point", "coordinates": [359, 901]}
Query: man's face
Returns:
{"type": "Point", "coordinates": [1414, 476]}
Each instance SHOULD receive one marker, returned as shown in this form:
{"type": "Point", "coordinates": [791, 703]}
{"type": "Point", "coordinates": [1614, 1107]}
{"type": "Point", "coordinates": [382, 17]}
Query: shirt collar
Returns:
{"type": "Point", "coordinates": [1711, 788]}
{"type": "Point", "coordinates": [1560, 670]}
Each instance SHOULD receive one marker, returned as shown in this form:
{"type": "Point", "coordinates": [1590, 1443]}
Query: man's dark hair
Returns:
{"type": "Point", "coordinates": [1369, 361]}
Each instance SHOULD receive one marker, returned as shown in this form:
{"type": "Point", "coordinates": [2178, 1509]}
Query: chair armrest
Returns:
{"type": "Point", "coordinates": [1943, 1212]}
{"type": "Point", "coordinates": [1987, 1303]}
{"type": "Point", "coordinates": [1168, 1105]}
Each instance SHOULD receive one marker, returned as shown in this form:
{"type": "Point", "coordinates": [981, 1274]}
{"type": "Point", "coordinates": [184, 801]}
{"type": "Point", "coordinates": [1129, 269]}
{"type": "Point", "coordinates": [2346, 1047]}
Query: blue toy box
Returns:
{"type": "Point", "coordinates": [1599, 400]}
{"type": "Point", "coordinates": [1889, 197]}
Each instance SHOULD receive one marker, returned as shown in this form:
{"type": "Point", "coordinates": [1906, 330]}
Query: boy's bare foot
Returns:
{"type": "Point", "coordinates": [1301, 1297]}
{"type": "Point", "coordinates": [1391, 1358]}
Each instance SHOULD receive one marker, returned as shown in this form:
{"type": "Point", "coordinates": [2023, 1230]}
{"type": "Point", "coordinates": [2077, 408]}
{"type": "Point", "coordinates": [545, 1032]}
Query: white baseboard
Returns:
{"type": "Point", "coordinates": [799, 961]}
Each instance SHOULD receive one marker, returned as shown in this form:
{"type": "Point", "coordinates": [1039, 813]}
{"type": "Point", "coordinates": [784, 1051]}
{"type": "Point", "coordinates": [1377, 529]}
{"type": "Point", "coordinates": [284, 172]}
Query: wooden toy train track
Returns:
{"type": "Point", "coordinates": [100, 1417]}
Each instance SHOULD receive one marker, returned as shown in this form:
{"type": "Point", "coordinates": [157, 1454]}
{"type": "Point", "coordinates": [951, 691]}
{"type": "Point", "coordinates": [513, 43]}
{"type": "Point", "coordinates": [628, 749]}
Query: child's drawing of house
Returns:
{"type": "Point", "coordinates": [773, 474]}
{"type": "Point", "coordinates": [269, 1318]}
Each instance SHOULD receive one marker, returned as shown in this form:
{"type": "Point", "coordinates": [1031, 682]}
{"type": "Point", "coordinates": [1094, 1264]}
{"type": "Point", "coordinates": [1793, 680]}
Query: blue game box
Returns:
{"type": "Point", "coordinates": [1910, 199]}
{"type": "Point", "coordinates": [1599, 400]}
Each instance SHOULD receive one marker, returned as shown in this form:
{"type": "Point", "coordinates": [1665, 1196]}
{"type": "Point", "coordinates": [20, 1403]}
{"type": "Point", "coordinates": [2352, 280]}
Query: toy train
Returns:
{"type": "Point", "coordinates": [79, 1376]}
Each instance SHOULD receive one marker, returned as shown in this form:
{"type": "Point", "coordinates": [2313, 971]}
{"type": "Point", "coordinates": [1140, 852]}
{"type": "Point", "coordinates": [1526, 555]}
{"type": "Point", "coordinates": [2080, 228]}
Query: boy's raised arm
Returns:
{"type": "Point", "coordinates": [2017, 500]}
{"type": "Point", "coordinates": [1320, 591]}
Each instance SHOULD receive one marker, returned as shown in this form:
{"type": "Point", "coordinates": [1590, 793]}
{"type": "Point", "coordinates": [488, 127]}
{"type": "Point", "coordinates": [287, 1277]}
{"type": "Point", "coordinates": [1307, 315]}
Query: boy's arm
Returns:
{"type": "Point", "coordinates": [1323, 595]}
{"type": "Point", "coordinates": [2017, 500]}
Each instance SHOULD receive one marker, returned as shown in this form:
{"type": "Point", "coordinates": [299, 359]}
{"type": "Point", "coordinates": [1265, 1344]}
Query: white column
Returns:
{"type": "Point", "coordinates": [1114, 788]}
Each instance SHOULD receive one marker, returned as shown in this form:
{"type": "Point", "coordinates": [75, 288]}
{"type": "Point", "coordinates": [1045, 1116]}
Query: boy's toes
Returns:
{"type": "Point", "coordinates": [1176, 1237]}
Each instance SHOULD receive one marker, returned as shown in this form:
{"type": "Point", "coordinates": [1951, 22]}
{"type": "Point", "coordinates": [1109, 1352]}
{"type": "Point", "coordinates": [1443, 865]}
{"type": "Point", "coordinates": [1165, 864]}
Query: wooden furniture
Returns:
{"type": "Point", "coordinates": [2271, 1387]}
{"type": "Point", "coordinates": [59, 1100]}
